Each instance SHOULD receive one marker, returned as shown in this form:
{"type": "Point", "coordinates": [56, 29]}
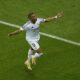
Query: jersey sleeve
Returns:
{"type": "Point", "coordinates": [21, 29]}
{"type": "Point", "coordinates": [42, 20]}
{"type": "Point", "coordinates": [24, 27]}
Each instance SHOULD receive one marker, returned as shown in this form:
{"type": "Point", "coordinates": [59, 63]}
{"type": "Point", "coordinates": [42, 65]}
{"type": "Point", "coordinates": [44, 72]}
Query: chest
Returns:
{"type": "Point", "coordinates": [34, 26]}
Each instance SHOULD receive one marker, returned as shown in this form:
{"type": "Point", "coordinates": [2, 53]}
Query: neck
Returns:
{"type": "Point", "coordinates": [34, 21]}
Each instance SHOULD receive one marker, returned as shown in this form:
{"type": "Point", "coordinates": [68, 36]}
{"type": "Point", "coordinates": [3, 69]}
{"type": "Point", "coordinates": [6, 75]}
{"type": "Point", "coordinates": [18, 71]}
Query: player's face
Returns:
{"type": "Point", "coordinates": [33, 18]}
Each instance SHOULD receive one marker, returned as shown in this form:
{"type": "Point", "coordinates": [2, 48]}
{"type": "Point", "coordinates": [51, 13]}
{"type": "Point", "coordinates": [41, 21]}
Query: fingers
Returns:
{"type": "Point", "coordinates": [60, 14]}
{"type": "Point", "coordinates": [9, 35]}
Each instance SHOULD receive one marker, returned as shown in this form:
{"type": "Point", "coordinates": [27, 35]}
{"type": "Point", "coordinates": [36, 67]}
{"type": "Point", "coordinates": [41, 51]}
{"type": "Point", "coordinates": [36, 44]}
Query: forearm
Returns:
{"type": "Point", "coordinates": [51, 18]}
{"type": "Point", "coordinates": [54, 17]}
{"type": "Point", "coordinates": [15, 32]}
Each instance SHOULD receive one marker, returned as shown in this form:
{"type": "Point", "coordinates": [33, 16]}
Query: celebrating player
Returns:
{"type": "Point", "coordinates": [33, 36]}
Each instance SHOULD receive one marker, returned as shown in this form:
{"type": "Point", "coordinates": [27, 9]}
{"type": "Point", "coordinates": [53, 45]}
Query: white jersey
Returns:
{"type": "Point", "coordinates": [32, 30]}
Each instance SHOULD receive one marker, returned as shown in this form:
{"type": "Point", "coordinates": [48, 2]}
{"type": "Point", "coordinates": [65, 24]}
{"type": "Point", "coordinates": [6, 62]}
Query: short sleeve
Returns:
{"type": "Point", "coordinates": [42, 20]}
{"type": "Point", "coordinates": [24, 27]}
{"type": "Point", "coordinates": [21, 29]}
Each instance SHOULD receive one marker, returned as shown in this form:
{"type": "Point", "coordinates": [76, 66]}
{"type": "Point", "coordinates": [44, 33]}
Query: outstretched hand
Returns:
{"type": "Point", "coordinates": [60, 14]}
{"type": "Point", "coordinates": [10, 34]}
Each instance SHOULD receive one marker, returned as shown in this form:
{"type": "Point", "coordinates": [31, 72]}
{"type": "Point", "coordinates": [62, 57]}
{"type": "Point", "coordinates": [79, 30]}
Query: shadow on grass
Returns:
{"type": "Point", "coordinates": [31, 74]}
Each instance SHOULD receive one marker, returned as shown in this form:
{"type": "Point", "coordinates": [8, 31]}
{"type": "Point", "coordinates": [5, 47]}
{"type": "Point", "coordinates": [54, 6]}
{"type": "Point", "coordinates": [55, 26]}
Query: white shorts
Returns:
{"type": "Point", "coordinates": [34, 45]}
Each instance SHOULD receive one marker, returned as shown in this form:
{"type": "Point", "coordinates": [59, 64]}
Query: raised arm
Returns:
{"type": "Point", "coordinates": [15, 32]}
{"type": "Point", "coordinates": [54, 17]}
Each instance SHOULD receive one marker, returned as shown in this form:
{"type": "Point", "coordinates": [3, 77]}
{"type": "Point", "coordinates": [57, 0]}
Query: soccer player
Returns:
{"type": "Point", "coordinates": [33, 36]}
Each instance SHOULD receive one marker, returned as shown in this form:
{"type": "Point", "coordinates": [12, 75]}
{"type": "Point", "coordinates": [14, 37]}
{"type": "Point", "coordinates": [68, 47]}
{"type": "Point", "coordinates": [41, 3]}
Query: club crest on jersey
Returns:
{"type": "Point", "coordinates": [34, 27]}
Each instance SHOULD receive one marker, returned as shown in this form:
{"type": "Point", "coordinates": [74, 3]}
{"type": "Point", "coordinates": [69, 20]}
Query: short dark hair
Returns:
{"type": "Point", "coordinates": [30, 14]}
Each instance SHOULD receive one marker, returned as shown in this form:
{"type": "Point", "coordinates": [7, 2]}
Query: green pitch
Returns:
{"type": "Point", "coordinates": [61, 61]}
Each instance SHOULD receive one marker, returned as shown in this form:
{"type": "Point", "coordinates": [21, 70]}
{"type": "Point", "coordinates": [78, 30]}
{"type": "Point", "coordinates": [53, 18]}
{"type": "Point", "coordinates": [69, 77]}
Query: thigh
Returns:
{"type": "Point", "coordinates": [34, 45]}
